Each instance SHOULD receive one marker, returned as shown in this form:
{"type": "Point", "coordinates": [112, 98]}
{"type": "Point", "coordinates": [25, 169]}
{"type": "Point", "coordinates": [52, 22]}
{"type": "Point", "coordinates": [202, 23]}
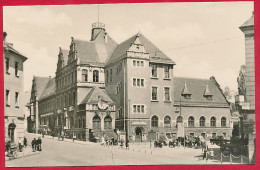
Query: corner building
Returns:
{"type": "Point", "coordinates": [13, 85]}
{"type": "Point", "coordinates": [105, 88]}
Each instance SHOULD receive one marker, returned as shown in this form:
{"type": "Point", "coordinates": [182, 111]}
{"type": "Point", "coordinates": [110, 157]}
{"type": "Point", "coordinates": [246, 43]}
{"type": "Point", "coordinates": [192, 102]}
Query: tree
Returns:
{"type": "Point", "coordinates": [228, 93]}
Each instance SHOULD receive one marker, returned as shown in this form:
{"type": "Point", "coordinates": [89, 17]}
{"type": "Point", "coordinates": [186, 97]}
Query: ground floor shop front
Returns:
{"type": "Point", "coordinates": [14, 128]}
{"type": "Point", "coordinates": [140, 130]}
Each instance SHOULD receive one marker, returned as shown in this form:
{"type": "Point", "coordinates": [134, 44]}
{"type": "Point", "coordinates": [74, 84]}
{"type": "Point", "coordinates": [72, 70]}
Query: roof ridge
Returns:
{"type": "Point", "coordinates": [196, 78]}
{"type": "Point", "coordinates": [77, 39]}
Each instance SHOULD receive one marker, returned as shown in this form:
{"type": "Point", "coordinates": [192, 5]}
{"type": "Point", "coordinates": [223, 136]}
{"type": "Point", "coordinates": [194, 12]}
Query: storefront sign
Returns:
{"type": "Point", "coordinates": [138, 123]}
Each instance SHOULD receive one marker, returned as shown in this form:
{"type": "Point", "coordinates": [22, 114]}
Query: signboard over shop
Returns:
{"type": "Point", "coordinates": [139, 123]}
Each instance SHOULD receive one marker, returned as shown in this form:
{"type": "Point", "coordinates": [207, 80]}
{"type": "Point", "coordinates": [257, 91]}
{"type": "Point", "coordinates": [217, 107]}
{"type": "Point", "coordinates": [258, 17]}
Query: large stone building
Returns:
{"type": "Point", "coordinates": [13, 91]}
{"type": "Point", "coordinates": [246, 82]}
{"type": "Point", "coordinates": [200, 103]}
{"type": "Point", "coordinates": [102, 87]}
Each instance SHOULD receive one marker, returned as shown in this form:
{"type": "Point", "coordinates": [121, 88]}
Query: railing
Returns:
{"type": "Point", "coordinates": [98, 25]}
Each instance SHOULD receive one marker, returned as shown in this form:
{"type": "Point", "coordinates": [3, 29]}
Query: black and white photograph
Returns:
{"type": "Point", "coordinates": [129, 84]}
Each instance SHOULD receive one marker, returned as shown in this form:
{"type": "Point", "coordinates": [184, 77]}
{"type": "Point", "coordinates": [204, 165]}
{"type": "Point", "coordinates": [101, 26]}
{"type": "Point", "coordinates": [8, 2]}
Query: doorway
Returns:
{"type": "Point", "coordinates": [138, 134]}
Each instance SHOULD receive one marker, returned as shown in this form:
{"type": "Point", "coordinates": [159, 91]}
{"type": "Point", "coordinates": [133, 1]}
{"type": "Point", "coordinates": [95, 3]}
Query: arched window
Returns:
{"type": "Point", "coordinates": [65, 100]}
{"type": "Point", "coordinates": [108, 122]}
{"type": "Point", "coordinates": [191, 121]}
{"type": "Point", "coordinates": [223, 122]}
{"type": "Point", "coordinates": [84, 75]}
{"type": "Point", "coordinates": [179, 119]}
{"type": "Point", "coordinates": [107, 72]}
{"type": "Point", "coordinates": [79, 122]}
{"type": "Point", "coordinates": [83, 122]}
{"type": "Point", "coordinates": [167, 121]}
{"type": "Point", "coordinates": [95, 76]}
{"type": "Point", "coordinates": [61, 101]}
{"type": "Point", "coordinates": [202, 121]}
{"type": "Point", "coordinates": [213, 122]}
{"type": "Point", "coordinates": [96, 123]}
{"type": "Point", "coordinates": [69, 100]}
{"type": "Point", "coordinates": [58, 103]}
{"type": "Point", "coordinates": [73, 98]}
{"type": "Point", "coordinates": [154, 121]}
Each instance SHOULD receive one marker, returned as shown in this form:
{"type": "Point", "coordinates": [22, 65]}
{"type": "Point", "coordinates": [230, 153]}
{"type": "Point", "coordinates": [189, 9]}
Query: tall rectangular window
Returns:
{"type": "Point", "coordinates": [154, 70]}
{"type": "Point", "coordinates": [138, 63]}
{"type": "Point", "coordinates": [138, 82]}
{"type": "Point", "coordinates": [142, 108]}
{"type": "Point", "coordinates": [142, 82]}
{"type": "Point", "coordinates": [138, 108]}
{"type": "Point", "coordinates": [134, 82]}
{"type": "Point", "coordinates": [166, 72]}
{"type": "Point", "coordinates": [16, 99]}
{"type": "Point", "coordinates": [166, 94]}
{"type": "Point", "coordinates": [7, 65]}
{"type": "Point", "coordinates": [111, 74]}
{"type": "Point", "coordinates": [134, 108]}
{"type": "Point", "coordinates": [142, 63]}
{"type": "Point", "coordinates": [7, 97]}
{"type": "Point", "coordinates": [154, 94]}
{"type": "Point", "coordinates": [134, 63]}
{"type": "Point", "coordinates": [16, 69]}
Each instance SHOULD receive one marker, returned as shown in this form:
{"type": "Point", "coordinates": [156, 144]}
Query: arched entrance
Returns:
{"type": "Point", "coordinates": [138, 134]}
{"type": "Point", "coordinates": [11, 129]}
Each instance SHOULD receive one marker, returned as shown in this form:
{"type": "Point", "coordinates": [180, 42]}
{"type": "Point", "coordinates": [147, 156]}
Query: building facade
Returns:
{"type": "Point", "coordinates": [75, 101]}
{"type": "Point", "coordinates": [202, 106]}
{"type": "Point", "coordinates": [102, 88]}
{"type": "Point", "coordinates": [246, 88]}
{"type": "Point", "coordinates": [13, 84]}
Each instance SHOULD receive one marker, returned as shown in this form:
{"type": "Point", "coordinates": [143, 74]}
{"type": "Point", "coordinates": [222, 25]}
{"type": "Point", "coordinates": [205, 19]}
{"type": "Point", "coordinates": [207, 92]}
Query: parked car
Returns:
{"type": "Point", "coordinates": [158, 144]}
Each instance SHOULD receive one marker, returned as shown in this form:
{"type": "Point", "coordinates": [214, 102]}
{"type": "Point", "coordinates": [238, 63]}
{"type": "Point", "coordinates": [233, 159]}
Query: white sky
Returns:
{"type": "Point", "coordinates": [202, 38]}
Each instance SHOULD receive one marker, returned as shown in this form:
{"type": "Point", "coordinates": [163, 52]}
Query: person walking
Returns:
{"type": "Point", "coordinates": [103, 140]}
{"type": "Point", "coordinates": [205, 152]}
{"type": "Point", "coordinates": [127, 144]}
{"type": "Point", "coordinates": [33, 144]}
{"type": "Point", "coordinates": [25, 142]}
{"type": "Point", "coordinates": [39, 144]}
{"type": "Point", "coordinates": [20, 145]}
{"type": "Point", "coordinates": [74, 136]}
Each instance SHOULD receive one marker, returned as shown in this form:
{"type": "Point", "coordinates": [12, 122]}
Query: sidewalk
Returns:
{"type": "Point", "coordinates": [65, 140]}
{"type": "Point", "coordinates": [26, 152]}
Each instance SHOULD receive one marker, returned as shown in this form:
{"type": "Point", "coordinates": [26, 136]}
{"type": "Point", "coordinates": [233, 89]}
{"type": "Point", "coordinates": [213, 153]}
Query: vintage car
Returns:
{"type": "Point", "coordinates": [158, 144]}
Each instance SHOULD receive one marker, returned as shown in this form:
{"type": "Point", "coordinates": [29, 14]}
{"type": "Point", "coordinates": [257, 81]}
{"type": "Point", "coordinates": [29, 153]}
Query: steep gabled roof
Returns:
{"type": "Point", "coordinates": [65, 54]}
{"type": "Point", "coordinates": [156, 55]}
{"type": "Point", "coordinates": [249, 22]}
{"type": "Point", "coordinates": [97, 51]}
{"type": "Point", "coordinates": [40, 85]}
{"type": "Point", "coordinates": [197, 90]}
{"type": "Point", "coordinates": [95, 92]}
{"type": "Point", "coordinates": [49, 88]}
{"type": "Point", "coordinates": [9, 47]}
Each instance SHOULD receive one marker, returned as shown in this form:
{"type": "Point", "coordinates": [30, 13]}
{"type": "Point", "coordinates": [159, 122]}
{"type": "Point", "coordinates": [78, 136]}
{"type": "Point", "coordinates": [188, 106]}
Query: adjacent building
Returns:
{"type": "Point", "coordinates": [13, 91]}
{"type": "Point", "coordinates": [246, 88]}
{"type": "Point", "coordinates": [102, 88]}
{"type": "Point", "coordinates": [202, 106]}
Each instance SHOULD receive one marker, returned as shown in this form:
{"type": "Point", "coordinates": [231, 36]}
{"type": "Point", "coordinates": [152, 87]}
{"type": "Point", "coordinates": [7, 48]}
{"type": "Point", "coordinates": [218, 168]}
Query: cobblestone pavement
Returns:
{"type": "Point", "coordinates": [69, 153]}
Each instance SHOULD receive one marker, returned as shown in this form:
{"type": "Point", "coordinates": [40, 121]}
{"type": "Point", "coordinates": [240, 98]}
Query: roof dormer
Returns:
{"type": "Point", "coordinates": [207, 93]}
{"type": "Point", "coordinates": [185, 92]}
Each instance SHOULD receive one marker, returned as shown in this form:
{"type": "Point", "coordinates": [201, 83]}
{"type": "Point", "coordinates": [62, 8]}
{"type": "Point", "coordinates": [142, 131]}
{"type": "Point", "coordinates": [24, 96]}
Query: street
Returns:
{"type": "Point", "coordinates": [68, 153]}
